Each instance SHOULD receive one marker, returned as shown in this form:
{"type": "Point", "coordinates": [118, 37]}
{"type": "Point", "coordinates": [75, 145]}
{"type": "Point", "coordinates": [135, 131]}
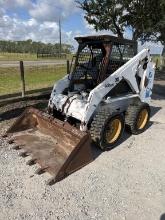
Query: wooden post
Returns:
{"type": "Point", "coordinates": [60, 41]}
{"type": "Point", "coordinates": [22, 78]}
{"type": "Point", "coordinates": [156, 66]}
{"type": "Point", "coordinates": [68, 70]}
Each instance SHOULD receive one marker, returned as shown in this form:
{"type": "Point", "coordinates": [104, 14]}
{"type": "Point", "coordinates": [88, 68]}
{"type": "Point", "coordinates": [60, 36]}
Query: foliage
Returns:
{"type": "Point", "coordinates": [161, 25]}
{"type": "Point", "coordinates": [144, 18]}
{"type": "Point", "coordinates": [104, 15]}
{"type": "Point", "coordinates": [30, 46]}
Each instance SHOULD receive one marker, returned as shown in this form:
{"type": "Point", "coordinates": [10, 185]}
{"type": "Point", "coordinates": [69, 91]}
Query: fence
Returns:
{"type": "Point", "coordinates": [32, 56]}
{"type": "Point", "coordinates": [52, 55]}
{"type": "Point", "coordinates": [23, 79]}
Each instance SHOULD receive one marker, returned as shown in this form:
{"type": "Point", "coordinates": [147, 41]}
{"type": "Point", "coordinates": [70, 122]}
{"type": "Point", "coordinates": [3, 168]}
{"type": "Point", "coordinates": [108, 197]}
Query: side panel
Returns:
{"type": "Point", "coordinates": [56, 94]}
{"type": "Point", "coordinates": [60, 85]}
{"type": "Point", "coordinates": [121, 104]}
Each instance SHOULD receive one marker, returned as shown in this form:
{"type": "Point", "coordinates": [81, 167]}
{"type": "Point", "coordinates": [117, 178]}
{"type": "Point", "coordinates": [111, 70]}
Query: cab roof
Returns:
{"type": "Point", "coordinates": [103, 38]}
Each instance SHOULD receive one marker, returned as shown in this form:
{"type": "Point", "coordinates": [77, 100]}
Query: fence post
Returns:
{"type": "Point", "coordinates": [22, 78]}
{"type": "Point", "coordinates": [156, 66]}
{"type": "Point", "coordinates": [67, 66]}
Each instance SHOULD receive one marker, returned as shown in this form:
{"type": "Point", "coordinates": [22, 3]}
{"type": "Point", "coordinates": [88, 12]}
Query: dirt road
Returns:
{"type": "Point", "coordinates": [127, 182]}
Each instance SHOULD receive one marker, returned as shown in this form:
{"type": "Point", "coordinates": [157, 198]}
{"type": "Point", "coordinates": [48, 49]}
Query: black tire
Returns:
{"type": "Point", "coordinates": [102, 120]}
{"type": "Point", "coordinates": [132, 117]}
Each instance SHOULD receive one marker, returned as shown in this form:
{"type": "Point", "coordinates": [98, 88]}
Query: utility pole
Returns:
{"type": "Point", "coordinates": [60, 35]}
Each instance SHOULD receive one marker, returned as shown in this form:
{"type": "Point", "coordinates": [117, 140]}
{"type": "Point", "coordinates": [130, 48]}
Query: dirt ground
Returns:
{"type": "Point", "coordinates": [126, 183]}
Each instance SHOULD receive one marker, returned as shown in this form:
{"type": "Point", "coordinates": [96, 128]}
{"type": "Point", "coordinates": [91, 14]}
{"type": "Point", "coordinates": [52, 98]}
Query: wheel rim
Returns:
{"type": "Point", "coordinates": [113, 131]}
{"type": "Point", "coordinates": [142, 119]}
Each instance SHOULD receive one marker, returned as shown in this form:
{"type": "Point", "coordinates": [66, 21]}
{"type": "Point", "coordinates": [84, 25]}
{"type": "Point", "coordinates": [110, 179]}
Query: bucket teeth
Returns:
{"type": "Point", "coordinates": [51, 181]}
{"type": "Point", "coordinates": [40, 171]}
{"type": "Point", "coordinates": [10, 141]}
{"type": "Point", "coordinates": [23, 154]}
{"type": "Point", "coordinates": [16, 147]}
{"type": "Point", "coordinates": [4, 136]}
{"type": "Point", "coordinates": [31, 162]}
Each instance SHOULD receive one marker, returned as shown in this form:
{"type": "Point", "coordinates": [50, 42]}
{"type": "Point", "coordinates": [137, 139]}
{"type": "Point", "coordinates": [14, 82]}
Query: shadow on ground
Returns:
{"type": "Point", "coordinates": [154, 110]}
{"type": "Point", "coordinates": [159, 91]}
{"type": "Point", "coordinates": [159, 85]}
{"type": "Point", "coordinates": [162, 217]}
{"type": "Point", "coordinates": [160, 75]}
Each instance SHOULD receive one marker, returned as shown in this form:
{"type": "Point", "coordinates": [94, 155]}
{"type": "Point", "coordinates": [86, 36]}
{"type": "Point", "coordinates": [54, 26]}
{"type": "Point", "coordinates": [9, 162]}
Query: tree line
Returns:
{"type": "Point", "coordinates": [30, 46]}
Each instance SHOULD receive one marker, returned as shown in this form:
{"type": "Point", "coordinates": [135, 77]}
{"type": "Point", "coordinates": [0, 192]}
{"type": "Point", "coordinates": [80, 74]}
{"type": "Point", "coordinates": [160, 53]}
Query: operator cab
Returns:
{"type": "Point", "coordinates": [97, 58]}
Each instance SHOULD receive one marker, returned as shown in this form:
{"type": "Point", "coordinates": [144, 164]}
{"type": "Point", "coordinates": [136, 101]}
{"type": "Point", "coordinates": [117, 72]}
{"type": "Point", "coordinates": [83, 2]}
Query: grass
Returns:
{"type": "Point", "coordinates": [35, 78]}
{"type": "Point", "coordinates": [25, 57]}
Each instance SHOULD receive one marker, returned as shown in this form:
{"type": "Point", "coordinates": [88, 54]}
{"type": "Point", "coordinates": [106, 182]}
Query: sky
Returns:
{"type": "Point", "coordinates": [38, 20]}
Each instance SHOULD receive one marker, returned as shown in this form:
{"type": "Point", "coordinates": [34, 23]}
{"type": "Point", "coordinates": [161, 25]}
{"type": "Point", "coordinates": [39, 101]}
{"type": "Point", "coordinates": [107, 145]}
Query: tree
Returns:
{"type": "Point", "coordinates": [104, 15]}
{"type": "Point", "coordinates": [30, 46]}
{"type": "Point", "coordinates": [161, 28]}
{"type": "Point", "coordinates": [142, 17]}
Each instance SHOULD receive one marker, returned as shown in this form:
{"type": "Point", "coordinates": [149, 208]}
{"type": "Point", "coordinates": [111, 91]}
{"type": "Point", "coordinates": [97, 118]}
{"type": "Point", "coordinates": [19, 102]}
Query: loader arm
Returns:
{"type": "Point", "coordinates": [126, 72]}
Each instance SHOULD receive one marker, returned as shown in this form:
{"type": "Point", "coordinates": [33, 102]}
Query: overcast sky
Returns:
{"type": "Point", "coordinates": [38, 20]}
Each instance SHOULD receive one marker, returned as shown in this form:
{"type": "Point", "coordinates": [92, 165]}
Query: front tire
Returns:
{"type": "Point", "coordinates": [107, 129]}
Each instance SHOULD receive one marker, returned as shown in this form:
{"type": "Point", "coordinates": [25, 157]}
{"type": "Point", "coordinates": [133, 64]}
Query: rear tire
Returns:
{"type": "Point", "coordinates": [107, 129]}
{"type": "Point", "coordinates": [137, 118]}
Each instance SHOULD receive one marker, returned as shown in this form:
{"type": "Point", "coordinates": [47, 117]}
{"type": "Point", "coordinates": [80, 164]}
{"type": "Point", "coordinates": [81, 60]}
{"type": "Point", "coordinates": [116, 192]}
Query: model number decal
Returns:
{"type": "Point", "coordinates": [109, 85]}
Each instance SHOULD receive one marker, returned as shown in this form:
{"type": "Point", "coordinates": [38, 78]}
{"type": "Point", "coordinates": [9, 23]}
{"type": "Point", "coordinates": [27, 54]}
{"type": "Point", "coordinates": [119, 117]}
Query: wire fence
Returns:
{"type": "Point", "coordinates": [5, 56]}
{"type": "Point", "coordinates": [35, 78]}
{"type": "Point", "coordinates": [52, 55]}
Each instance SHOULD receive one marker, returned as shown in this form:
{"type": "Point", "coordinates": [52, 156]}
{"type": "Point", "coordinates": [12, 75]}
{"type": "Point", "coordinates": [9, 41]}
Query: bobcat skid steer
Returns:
{"type": "Point", "coordinates": [109, 86]}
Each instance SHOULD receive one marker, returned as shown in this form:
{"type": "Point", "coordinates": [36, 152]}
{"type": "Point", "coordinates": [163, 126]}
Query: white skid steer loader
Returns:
{"type": "Point", "coordinates": [109, 86]}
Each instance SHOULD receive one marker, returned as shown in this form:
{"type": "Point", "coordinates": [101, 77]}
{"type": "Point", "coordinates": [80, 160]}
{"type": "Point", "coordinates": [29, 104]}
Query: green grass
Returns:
{"type": "Point", "coordinates": [35, 78]}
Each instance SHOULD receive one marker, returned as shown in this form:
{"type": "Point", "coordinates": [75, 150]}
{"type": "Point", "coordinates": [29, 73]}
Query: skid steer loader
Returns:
{"type": "Point", "coordinates": [109, 86]}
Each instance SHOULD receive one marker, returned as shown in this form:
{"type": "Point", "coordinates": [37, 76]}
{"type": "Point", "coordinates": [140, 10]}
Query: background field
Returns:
{"type": "Point", "coordinates": [18, 56]}
{"type": "Point", "coordinates": [36, 77]}
{"type": "Point", "coordinates": [25, 56]}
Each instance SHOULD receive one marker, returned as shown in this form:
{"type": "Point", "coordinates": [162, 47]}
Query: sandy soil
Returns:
{"type": "Point", "coordinates": [127, 182]}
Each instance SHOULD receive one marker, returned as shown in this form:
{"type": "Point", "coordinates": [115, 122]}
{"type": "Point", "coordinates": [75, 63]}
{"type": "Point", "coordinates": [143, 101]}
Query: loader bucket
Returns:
{"type": "Point", "coordinates": [57, 147]}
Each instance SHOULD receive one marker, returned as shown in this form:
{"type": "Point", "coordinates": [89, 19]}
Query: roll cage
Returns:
{"type": "Point", "coordinates": [98, 57]}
